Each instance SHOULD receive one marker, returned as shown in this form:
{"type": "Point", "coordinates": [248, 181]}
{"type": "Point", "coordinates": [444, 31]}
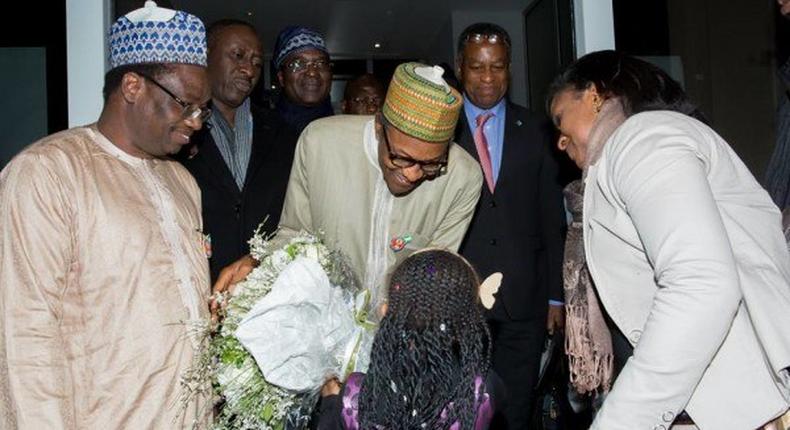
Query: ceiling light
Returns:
{"type": "Point", "coordinates": [377, 45]}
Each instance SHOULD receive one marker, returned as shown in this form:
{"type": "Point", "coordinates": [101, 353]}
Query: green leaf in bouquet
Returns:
{"type": "Point", "coordinates": [268, 412]}
{"type": "Point", "coordinates": [233, 353]}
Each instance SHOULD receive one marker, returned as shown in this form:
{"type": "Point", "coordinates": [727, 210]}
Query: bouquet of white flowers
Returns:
{"type": "Point", "coordinates": [298, 319]}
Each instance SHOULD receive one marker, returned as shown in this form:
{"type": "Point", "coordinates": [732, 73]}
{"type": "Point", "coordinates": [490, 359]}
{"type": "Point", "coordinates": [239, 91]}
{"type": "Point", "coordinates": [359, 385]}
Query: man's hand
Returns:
{"type": "Point", "coordinates": [227, 280]}
{"type": "Point", "coordinates": [556, 318]}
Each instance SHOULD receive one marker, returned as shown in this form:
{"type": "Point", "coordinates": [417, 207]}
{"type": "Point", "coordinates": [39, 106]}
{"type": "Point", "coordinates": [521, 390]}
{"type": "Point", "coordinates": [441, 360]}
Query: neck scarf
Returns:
{"type": "Point", "coordinates": [299, 116]}
{"type": "Point", "coordinates": [588, 341]}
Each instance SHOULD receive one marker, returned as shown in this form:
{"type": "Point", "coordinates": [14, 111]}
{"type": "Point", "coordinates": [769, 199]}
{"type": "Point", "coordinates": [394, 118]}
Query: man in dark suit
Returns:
{"type": "Point", "coordinates": [242, 160]}
{"type": "Point", "coordinates": [518, 227]}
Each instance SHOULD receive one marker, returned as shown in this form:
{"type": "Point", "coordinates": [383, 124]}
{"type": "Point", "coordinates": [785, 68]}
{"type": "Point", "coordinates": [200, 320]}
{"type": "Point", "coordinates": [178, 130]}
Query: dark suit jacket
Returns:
{"type": "Point", "coordinates": [231, 216]}
{"type": "Point", "coordinates": [520, 229]}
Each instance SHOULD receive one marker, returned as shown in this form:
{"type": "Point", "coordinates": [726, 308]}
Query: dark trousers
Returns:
{"type": "Point", "coordinates": [516, 359]}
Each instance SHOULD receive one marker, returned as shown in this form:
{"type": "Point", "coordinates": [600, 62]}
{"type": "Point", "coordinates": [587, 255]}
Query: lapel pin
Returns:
{"type": "Point", "coordinates": [399, 242]}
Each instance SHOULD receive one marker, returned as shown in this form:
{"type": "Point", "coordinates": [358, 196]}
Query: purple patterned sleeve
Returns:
{"type": "Point", "coordinates": [483, 404]}
{"type": "Point", "coordinates": [485, 408]}
{"type": "Point", "coordinates": [350, 409]}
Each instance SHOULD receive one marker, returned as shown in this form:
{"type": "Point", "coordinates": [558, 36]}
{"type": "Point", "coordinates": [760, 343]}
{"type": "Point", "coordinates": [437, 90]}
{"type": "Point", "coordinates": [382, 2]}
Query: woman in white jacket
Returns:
{"type": "Point", "coordinates": [685, 249]}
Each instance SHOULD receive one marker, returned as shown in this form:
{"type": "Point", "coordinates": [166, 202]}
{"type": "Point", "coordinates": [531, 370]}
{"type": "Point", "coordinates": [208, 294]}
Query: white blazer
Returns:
{"type": "Point", "coordinates": [687, 253]}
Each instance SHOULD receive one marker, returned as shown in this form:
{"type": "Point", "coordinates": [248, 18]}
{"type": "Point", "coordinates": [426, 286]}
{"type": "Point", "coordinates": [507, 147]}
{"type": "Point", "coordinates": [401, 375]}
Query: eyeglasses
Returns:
{"type": "Point", "coordinates": [368, 101]}
{"type": "Point", "coordinates": [490, 38]}
{"type": "Point", "coordinates": [430, 168]}
{"type": "Point", "coordinates": [298, 65]}
{"type": "Point", "coordinates": [189, 111]}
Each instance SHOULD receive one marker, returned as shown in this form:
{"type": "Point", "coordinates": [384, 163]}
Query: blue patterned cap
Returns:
{"type": "Point", "coordinates": [296, 39]}
{"type": "Point", "coordinates": [157, 35]}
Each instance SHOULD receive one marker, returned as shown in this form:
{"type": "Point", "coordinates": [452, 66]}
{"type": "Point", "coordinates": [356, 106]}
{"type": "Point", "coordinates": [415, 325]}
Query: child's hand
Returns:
{"type": "Point", "coordinates": [331, 386]}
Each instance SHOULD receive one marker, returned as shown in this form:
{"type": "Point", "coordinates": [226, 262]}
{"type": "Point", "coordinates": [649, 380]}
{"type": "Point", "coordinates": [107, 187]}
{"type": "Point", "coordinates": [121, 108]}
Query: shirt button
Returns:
{"type": "Point", "coordinates": [668, 416]}
{"type": "Point", "coordinates": [635, 335]}
{"type": "Point", "coordinates": [493, 242]}
{"type": "Point", "coordinates": [659, 427]}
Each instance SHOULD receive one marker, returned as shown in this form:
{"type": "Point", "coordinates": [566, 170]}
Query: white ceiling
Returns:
{"type": "Point", "coordinates": [405, 28]}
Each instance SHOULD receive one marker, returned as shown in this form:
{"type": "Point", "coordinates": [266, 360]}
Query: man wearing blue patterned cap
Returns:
{"type": "Point", "coordinates": [305, 76]}
{"type": "Point", "coordinates": [102, 261]}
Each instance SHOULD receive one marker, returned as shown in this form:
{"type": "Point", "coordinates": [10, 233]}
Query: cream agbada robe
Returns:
{"type": "Point", "coordinates": [101, 264]}
{"type": "Point", "coordinates": [336, 187]}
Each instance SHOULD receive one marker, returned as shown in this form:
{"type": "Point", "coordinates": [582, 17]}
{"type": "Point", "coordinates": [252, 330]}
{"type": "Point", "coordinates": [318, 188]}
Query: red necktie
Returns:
{"type": "Point", "coordinates": [481, 143]}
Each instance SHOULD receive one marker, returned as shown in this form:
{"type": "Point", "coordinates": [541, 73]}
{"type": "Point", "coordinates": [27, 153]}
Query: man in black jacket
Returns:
{"type": "Point", "coordinates": [242, 159]}
{"type": "Point", "coordinates": [518, 226]}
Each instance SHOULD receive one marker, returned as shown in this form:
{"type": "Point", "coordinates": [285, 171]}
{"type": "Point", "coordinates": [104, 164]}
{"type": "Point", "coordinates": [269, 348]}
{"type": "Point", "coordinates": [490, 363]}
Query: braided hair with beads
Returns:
{"type": "Point", "coordinates": [431, 345]}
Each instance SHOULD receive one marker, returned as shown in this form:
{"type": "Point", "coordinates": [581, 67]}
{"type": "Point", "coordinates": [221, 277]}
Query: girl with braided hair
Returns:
{"type": "Point", "coordinates": [430, 362]}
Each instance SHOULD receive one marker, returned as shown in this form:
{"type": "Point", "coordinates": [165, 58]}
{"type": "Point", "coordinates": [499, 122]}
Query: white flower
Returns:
{"type": "Point", "coordinates": [279, 259]}
{"type": "Point", "coordinates": [312, 251]}
{"type": "Point", "coordinates": [232, 380]}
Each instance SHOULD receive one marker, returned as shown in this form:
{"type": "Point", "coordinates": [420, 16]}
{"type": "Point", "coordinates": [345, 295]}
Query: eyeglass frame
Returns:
{"type": "Point", "coordinates": [409, 162]}
{"type": "Point", "coordinates": [492, 38]}
{"type": "Point", "coordinates": [309, 64]}
{"type": "Point", "coordinates": [198, 112]}
{"type": "Point", "coordinates": [368, 101]}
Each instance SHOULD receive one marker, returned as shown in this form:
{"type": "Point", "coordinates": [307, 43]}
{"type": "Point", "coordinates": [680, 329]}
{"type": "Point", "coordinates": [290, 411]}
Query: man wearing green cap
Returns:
{"type": "Point", "coordinates": [381, 187]}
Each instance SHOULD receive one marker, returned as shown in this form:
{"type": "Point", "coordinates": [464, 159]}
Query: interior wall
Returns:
{"type": "Point", "coordinates": [88, 22]}
{"type": "Point", "coordinates": [594, 22]}
{"type": "Point", "coordinates": [727, 49]}
{"type": "Point", "coordinates": [32, 78]}
{"type": "Point", "coordinates": [443, 46]}
{"type": "Point", "coordinates": [23, 83]}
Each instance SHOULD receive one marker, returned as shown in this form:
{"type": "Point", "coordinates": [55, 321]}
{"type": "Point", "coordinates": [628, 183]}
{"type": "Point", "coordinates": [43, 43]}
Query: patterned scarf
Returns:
{"type": "Point", "coordinates": [588, 341]}
{"type": "Point", "coordinates": [234, 143]}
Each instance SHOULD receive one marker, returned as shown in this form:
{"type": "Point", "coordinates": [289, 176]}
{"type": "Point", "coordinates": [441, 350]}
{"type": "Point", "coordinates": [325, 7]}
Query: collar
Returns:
{"type": "Point", "coordinates": [472, 111]}
{"type": "Point", "coordinates": [371, 144]}
{"type": "Point", "coordinates": [288, 109]}
{"type": "Point", "coordinates": [109, 147]}
{"type": "Point", "coordinates": [217, 120]}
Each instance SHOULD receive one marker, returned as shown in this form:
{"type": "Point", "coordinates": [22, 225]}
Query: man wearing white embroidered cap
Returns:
{"type": "Point", "coordinates": [102, 260]}
{"type": "Point", "coordinates": [381, 187]}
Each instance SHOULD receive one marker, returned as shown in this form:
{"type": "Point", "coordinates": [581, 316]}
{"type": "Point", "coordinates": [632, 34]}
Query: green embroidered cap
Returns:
{"type": "Point", "coordinates": [421, 104]}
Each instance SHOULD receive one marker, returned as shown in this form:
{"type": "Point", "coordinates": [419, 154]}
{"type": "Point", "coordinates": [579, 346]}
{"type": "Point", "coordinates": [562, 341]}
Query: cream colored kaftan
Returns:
{"type": "Point", "coordinates": [336, 188]}
{"type": "Point", "coordinates": [101, 264]}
